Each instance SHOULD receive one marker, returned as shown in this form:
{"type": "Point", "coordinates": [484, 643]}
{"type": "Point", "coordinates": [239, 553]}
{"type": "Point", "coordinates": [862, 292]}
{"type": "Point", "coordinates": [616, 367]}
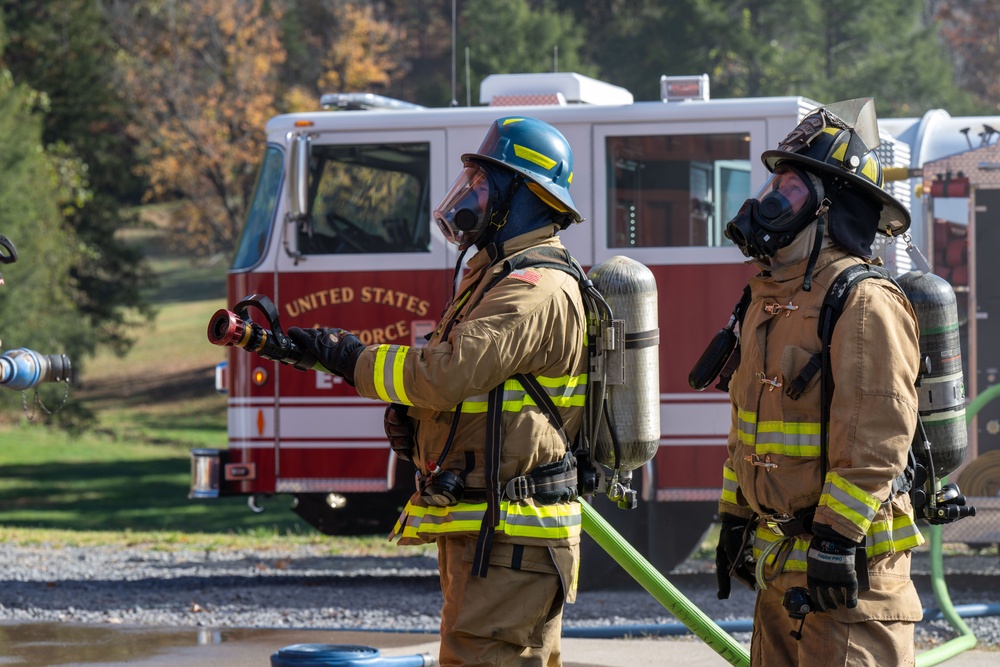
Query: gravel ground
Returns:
{"type": "Point", "coordinates": [303, 588]}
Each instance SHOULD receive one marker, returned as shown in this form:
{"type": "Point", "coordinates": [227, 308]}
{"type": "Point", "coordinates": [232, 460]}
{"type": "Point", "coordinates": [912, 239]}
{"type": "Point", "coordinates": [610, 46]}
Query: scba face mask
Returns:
{"type": "Point", "coordinates": [773, 217]}
{"type": "Point", "coordinates": [464, 211]}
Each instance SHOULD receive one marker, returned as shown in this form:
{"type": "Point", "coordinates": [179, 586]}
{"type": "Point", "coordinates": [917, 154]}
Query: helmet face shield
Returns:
{"type": "Point", "coordinates": [464, 211]}
{"type": "Point", "coordinates": [782, 198]}
{"type": "Point", "coordinates": [775, 215]}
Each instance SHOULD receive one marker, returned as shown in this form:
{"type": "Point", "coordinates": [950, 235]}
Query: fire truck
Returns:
{"type": "Point", "coordinates": [339, 233]}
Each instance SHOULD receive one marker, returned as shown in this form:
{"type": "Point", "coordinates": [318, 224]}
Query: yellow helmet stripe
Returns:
{"type": "Point", "coordinates": [526, 153]}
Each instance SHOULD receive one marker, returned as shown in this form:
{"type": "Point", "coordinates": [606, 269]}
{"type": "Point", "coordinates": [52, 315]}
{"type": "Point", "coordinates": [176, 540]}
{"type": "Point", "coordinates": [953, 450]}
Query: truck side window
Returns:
{"type": "Point", "coordinates": [253, 241]}
{"type": "Point", "coordinates": [675, 190]}
{"type": "Point", "coordinates": [368, 198]}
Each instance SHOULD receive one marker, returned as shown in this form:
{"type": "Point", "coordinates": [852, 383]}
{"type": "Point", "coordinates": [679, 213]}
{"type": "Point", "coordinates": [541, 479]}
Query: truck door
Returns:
{"type": "Point", "coordinates": [671, 187]}
{"type": "Point", "coordinates": [368, 259]}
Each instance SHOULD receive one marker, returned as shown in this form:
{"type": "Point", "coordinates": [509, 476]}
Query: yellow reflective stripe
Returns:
{"type": "Point", "coordinates": [746, 427]}
{"type": "Point", "coordinates": [550, 522]}
{"type": "Point", "coordinates": [849, 501]}
{"type": "Point", "coordinates": [558, 521]}
{"type": "Point", "coordinates": [788, 438]}
{"type": "Point", "coordinates": [801, 439]}
{"type": "Point", "coordinates": [796, 560]}
{"type": "Point", "coordinates": [525, 153]}
{"type": "Point", "coordinates": [568, 391]}
{"type": "Point", "coordinates": [388, 375]}
{"type": "Point", "coordinates": [905, 533]}
{"type": "Point", "coordinates": [730, 485]}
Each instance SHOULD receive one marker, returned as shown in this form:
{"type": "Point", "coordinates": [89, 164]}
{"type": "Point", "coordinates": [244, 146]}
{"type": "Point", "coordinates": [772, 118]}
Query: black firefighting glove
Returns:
{"type": "Point", "coordinates": [734, 555]}
{"type": "Point", "coordinates": [336, 349]}
{"type": "Point", "coordinates": [830, 570]}
{"type": "Point", "coordinates": [399, 430]}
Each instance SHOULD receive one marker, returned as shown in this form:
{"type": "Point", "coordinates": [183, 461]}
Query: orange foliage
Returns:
{"type": "Point", "coordinates": [204, 78]}
{"type": "Point", "coordinates": [363, 55]}
{"type": "Point", "coordinates": [201, 77]}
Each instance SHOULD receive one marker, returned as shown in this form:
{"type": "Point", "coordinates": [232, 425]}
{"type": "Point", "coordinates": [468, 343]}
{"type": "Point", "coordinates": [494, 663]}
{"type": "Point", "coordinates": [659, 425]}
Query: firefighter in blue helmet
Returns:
{"type": "Point", "coordinates": [811, 500]}
{"type": "Point", "coordinates": [497, 484]}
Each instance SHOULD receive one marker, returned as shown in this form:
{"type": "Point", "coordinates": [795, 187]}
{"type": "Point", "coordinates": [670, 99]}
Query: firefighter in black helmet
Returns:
{"type": "Point", "coordinates": [809, 502]}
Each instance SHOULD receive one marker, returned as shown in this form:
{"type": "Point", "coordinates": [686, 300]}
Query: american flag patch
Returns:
{"type": "Point", "coordinates": [527, 275]}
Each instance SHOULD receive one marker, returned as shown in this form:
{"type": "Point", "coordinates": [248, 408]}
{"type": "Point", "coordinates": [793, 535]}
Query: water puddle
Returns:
{"type": "Point", "coordinates": [75, 645]}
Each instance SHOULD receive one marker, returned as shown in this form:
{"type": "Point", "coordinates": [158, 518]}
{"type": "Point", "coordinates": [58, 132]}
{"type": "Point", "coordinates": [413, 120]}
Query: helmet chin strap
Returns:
{"type": "Point", "coordinates": [498, 218]}
{"type": "Point", "coordinates": [821, 219]}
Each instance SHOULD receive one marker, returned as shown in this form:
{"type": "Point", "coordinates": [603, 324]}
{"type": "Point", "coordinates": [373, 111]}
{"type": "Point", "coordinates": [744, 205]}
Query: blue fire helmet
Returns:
{"type": "Point", "coordinates": [537, 151]}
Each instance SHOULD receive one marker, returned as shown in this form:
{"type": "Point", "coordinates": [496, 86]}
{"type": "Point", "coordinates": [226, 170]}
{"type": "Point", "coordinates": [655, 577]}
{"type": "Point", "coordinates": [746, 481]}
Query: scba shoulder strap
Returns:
{"type": "Point", "coordinates": [830, 312]}
{"type": "Point", "coordinates": [554, 482]}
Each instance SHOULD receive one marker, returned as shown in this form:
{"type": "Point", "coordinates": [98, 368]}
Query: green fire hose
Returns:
{"type": "Point", "coordinates": [965, 639]}
{"type": "Point", "coordinates": [718, 639]}
{"type": "Point", "coordinates": [665, 593]}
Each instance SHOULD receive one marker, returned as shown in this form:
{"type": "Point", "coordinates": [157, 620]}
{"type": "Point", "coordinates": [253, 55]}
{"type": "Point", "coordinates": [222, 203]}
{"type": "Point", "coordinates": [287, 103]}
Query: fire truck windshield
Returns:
{"type": "Point", "coordinates": [368, 198]}
{"type": "Point", "coordinates": [261, 211]}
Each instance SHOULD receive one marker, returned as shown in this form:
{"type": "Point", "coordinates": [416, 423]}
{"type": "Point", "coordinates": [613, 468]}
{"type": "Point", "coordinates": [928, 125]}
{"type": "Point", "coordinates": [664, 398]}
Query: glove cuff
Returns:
{"type": "Point", "coordinates": [837, 542]}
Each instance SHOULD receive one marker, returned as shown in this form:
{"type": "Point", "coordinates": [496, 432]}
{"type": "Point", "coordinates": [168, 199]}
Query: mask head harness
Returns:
{"type": "Point", "coordinates": [476, 206]}
{"type": "Point", "coordinates": [771, 219]}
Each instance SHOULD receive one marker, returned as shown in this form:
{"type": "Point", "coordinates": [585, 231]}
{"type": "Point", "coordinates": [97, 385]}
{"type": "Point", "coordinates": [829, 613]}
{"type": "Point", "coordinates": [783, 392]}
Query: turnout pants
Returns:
{"type": "Point", "coordinates": [513, 616]}
{"type": "Point", "coordinates": [879, 632]}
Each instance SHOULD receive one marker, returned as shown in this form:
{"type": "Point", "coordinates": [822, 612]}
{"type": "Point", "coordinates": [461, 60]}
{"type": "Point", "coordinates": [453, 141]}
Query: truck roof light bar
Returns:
{"type": "Point", "coordinates": [363, 102]}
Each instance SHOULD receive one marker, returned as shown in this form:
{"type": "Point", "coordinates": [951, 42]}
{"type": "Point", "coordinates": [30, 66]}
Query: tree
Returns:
{"type": "Point", "coordinates": [339, 47]}
{"type": "Point", "coordinates": [970, 29]}
{"type": "Point", "coordinates": [822, 50]}
{"type": "Point", "coordinates": [505, 36]}
{"type": "Point", "coordinates": [363, 55]}
{"type": "Point", "coordinates": [201, 78]}
{"type": "Point", "coordinates": [37, 307]}
{"type": "Point", "coordinates": [62, 48]}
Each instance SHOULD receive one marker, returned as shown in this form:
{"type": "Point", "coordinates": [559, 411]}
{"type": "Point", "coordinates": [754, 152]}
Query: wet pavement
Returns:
{"type": "Point", "coordinates": [76, 645]}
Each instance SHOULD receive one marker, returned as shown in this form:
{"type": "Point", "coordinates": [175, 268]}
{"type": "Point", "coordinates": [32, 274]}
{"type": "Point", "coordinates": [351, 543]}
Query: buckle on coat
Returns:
{"type": "Point", "coordinates": [519, 488]}
{"type": "Point", "coordinates": [784, 525]}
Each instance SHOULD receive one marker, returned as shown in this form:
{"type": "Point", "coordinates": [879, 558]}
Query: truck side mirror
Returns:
{"type": "Point", "coordinates": [298, 179]}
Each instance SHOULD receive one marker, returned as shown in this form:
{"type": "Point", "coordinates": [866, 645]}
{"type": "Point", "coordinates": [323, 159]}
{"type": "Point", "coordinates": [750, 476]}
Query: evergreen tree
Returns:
{"type": "Point", "coordinates": [507, 36]}
{"type": "Point", "coordinates": [37, 307]}
{"type": "Point", "coordinates": [62, 48]}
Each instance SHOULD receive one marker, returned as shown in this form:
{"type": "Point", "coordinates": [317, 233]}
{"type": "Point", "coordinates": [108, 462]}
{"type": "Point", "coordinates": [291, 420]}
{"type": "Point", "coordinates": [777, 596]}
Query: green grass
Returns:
{"type": "Point", "coordinates": [131, 472]}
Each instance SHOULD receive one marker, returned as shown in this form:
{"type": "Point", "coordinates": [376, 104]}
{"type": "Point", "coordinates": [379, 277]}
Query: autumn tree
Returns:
{"type": "Point", "coordinates": [970, 28]}
{"type": "Point", "coordinates": [201, 78]}
{"type": "Point", "coordinates": [339, 47]}
{"type": "Point", "coordinates": [363, 55]}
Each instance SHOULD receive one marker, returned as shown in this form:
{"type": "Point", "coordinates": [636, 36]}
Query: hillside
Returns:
{"type": "Point", "coordinates": [132, 470]}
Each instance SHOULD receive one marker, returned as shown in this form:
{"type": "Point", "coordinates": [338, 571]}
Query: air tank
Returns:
{"type": "Point", "coordinates": [941, 385]}
{"type": "Point", "coordinates": [634, 407]}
